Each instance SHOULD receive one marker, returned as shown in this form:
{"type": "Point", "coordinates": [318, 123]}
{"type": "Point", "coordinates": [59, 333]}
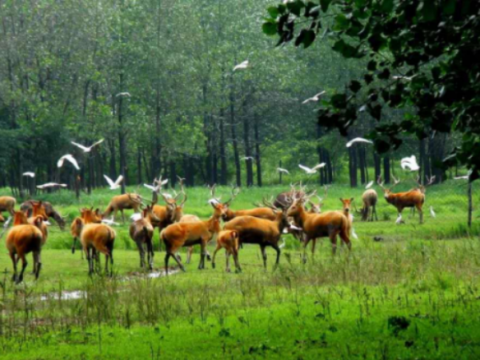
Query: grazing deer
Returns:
{"type": "Point", "coordinates": [7, 203]}
{"type": "Point", "coordinates": [22, 239]}
{"type": "Point", "coordinates": [98, 237]}
{"type": "Point", "coordinates": [259, 212]}
{"type": "Point", "coordinates": [252, 230]}
{"type": "Point", "coordinates": [228, 240]}
{"type": "Point", "coordinates": [369, 199]}
{"type": "Point", "coordinates": [414, 198]}
{"type": "Point", "coordinates": [123, 202]}
{"type": "Point", "coordinates": [27, 206]}
{"type": "Point", "coordinates": [179, 235]}
{"type": "Point", "coordinates": [330, 223]}
{"type": "Point", "coordinates": [141, 231]}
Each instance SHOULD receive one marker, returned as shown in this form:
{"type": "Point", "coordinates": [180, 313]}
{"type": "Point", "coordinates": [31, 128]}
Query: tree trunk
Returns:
{"type": "Point", "coordinates": [223, 154]}
{"type": "Point", "coordinates": [386, 169]}
{"type": "Point", "coordinates": [377, 165]}
{"type": "Point", "coordinates": [139, 166]}
{"type": "Point", "coordinates": [246, 142]}
{"type": "Point", "coordinates": [352, 162]}
{"type": "Point", "coordinates": [121, 139]}
{"type": "Point", "coordinates": [233, 126]}
{"type": "Point", "coordinates": [361, 162]}
{"type": "Point", "coordinates": [257, 151]}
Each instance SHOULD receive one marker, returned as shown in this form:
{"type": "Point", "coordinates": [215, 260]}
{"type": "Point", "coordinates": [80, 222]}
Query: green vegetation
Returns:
{"type": "Point", "coordinates": [414, 294]}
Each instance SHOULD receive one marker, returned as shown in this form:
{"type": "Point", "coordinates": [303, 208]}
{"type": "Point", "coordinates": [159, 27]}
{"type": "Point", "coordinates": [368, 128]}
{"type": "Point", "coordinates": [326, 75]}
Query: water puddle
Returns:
{"type": "Point", "coordinates": [65, 295]}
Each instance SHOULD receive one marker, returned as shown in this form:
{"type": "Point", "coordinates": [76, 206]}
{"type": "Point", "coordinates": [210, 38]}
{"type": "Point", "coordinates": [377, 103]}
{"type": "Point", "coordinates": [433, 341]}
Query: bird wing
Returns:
{"type": "Point", "coordinates": [72, 160]}
{"type": "Point", "coordinates": [109, 181]}
{"type": "Point", "coordinates": [60, 161]}
{"type": "Point", "coordinates": [164, 182]}
{"type": "Point", "coordinates": [84, 148]}
{"type": "Point", "coordinates": [319, 166]}
{"type": "Point", "coordinates": [461, 177]}
{"type": "Point", "coordinates": [242, 65]}
{"type": "Point", "coordinates": [119, 180]}
{"type": "Point", "coordinates": [432, 212]}
{"type": "Point", "coordinates": [307, 100]}
{"type": "Point", "coordinates": [369, 185]}
{"type": "Point", "coordinates": [304, 168]}
{"type": "Point", "coordinates": [358, 139]}
{"type": "Point", "coordinates": [153, 188]}
{"type": "Point", "coordinates": [97, 143]}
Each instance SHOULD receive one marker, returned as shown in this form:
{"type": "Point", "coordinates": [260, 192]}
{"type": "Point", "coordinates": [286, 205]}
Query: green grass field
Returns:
{"type": "Point", "coordinates": [415, 294]}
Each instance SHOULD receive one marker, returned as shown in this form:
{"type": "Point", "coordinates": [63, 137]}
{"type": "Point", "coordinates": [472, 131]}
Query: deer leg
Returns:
{"type": "Point", "coordinates": [37, 263]}
{"type": "Point", "coordinates": [215, 254]}
{"type": "Point", "coordinates": [24, 265]}
{"type": "Point", "coordinates": [150, 254]}
{"type": "Point", "coordinates": [333, 240]}
{"type": "Point", "coordinates": [305, 244]}
{"type": "Point", "coordinates": [277, 249]}
{"type": "Point", "coordinates": [111, 262]}
{"type": "Point", "coordinates": [74, 243]}
{"type": "Point", "coordinates": [345, 239]}
{"type": "Point", "coordinates": [238, 268]}
{"type": "Point", "coordinates": [209, 258]}
{"type": "Point", "coordinates": [123, 216]}
{"type": "Point", "coordinates": [141, 252]}
{"type": "Point", "coordinates": [14, 262]}
{"type": "Point", "coordinates": [189, 254]}
{"type": "Point", "coordinates": [201, 266]}
{"type": "Point", "coordinates": [89, 259]}
{"type": "Point", "coordinates": [314, 243]}
{"type": "Point", "coordinates": [420, 211]}
{"type": "Point", "coordinates": [178, 262]}
{"type": "Point", "coordinates": [264, 256]}
{"type": "Point", "coordinates": [227, 260]}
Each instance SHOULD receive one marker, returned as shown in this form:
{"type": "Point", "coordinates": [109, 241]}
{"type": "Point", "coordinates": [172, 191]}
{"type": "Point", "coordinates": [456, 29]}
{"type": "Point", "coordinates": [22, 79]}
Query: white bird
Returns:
{"type": "Point", "coordinates": [7, 222]}
{"type": "Point", "coordinates": [70, 159]}
{"type": "Point", "coordinates": [242, 65]}
{"type": "Point", "coordinates": [399, 219]}
{"type": "Point", "coordinates": [135, 217]}
{"type": "Point", "coordinates": [461, 177]}
{"type": "Point", "coordinates": [369, 185]}
{"type": "Point", "coordinates": [314, 98]}
{"type": "Point", "coordinates": [400, 77]}
{"type": "Point", "coordinates": [111, 222]}
{"type": "Point", "coordinates": [432, 212]}
{"type": "Point", "coordinates": [359, 140]}
{"type": "Point", "coordinates": [312, 170]}
{"type": "Point", "coordinates": [248, 158]}
{"type": "Point", "coordinates": [354, 234]}
{"type": "Point", "coordinates": [127, 94]}
{"type": "Point", "coordinates": [29, 174]}
{"type": "Point", "coordinates": [285, 171]}
{"type": "Point", "coordinates": [410, 163]}
{"type": "Point", "coordinates": [114, 185]}
{"type": "Point", "coordinates": [47, 185]}
{"type": "Point", "coordinates": [87, 149]}
{"type": "Point", "coordinates": [282, 245]}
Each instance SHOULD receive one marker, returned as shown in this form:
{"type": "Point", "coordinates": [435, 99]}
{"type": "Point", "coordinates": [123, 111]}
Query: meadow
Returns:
{"type": "Point", "coordinates": [413, 294]}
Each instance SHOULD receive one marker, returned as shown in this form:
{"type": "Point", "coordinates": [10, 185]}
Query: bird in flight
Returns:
{"type": "Point", "coordinates": [70, 159]}
{"type": "Point", "coordinates": [87, 149]}
{"type": "Point", "coordinates": [314, 98]}
{"type": "Point", "coordinates": [248, 158]}
{"type": "Point", "coordinates": [51, 184]}
{"type": "Point", "coordinates": [311, 170]}
{"type": "Point", "coordinates": [242, 65]}
{"type": "Point", "coordinates": [110, 221]}
{"type": "Point", "coordinates": [114, 185]}
{"type": "Point", "coordinates": [123, 94]}
{"type": "Point", "coordinates": [369, 185]}
{"type": "Point", "coordinates": [358, 140]}
{"type": "Point", "coordinates": [282, 170]}
{"type": "Point", "coordinates": [410, 163]}
{"type": "Point", "coordinates": [29, 174]}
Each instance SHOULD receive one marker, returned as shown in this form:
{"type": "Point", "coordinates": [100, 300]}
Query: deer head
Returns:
{"type": "Point", "coordinates": [387, 191]}
{"type": "Point", "coordinates": [423, 188]}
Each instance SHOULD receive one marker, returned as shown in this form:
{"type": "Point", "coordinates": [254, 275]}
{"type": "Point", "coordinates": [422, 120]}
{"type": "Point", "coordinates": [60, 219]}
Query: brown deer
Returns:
{"type": "Point", "coordinates": [7, 203]}
{"type": "Point", "coordinates": [121, 203]}
{"type": "Point", "coordinates": [23, 239]}
{"type": "Point", "coordinates": [330, 223]}
{"type": "Point", "coordinates": [87, 216]}
{"type": "Point", "coordinates": [228, 240]}
{"type": "Point", "coordinates": [141, 231]}
{"type": "Point", "coordinates": [369, 199]}
{"type": "Point", "coordinates": [414, 198]}
{"type": "Point", "coordinates": [101, 238]}
{"type": "Point", "coordinates": [27, 206]}
{"type": "Point", "coordinates": [179, 235]}
{"type": "Point", "coordinates": [38, 210]}
{"type": "Point", "coordinates": [252, 230]}
{"type": "Point", "coordinates": [259, 212]}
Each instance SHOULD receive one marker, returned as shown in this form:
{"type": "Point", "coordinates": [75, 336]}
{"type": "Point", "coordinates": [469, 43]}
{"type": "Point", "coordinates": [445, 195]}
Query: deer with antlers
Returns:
{"type": "Point", "coordinates": [329, 224]}
{"type": "Point", "coordinates": [264, 232]}
{"type": "Point", "coordinates": [261, 212]}
{"type": "Point", "coordinates": [414, 198]}
{"type": "Point", "coordinates": [201, 233]}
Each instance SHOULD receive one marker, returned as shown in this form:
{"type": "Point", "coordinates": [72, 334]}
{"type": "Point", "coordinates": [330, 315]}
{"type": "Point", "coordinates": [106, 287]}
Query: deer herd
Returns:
{"type": "Point", "coordinates": [293, 212]}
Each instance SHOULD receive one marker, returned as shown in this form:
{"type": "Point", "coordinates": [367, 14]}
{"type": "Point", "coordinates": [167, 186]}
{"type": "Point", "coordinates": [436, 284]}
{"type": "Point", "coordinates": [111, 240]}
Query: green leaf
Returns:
{"type": "Point", "coordinates": [269, 28]}
{"type": "Point", "coordinates": [355, 86]}
{"type": "Point", "coordinates": [347, 50]}
{"type": "Point", "coordinates": [428, 10]}
{"type": "Point", "coordinates": [387, 6]}
{"type": "Point", "coordinates": [273, 11]}
{"type": "Point", "coordinates": [449, 7]}
{"type": "Point", "coordinates": [295, 7]}
{"type": "Point", "coordinates": [341, 23]}
{"type": "Point", "coordinates": [325, 4]}
{"type": "Point", "coordinates": [306, 37]}
{"type": "Point", "coordinates": [339, 101]}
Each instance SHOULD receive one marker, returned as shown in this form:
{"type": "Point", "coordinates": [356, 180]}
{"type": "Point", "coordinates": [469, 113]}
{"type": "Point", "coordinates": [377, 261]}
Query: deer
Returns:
{"type": "Point", "coordinates": [87, 216]}
{"type": "Point", "coordinates": [328, 224]}
{"type": "Point", "coordinates": [259, 211]}
{"type": "Point", "coordinates": [38, 210]}
{"type": "Point", "coordinates": [98, 238]}
{"type": "Point", "coordinates": [7, 203]}
{"type": "Point", "coordinates": [22, 239]}
{"type": "Point", "coordinates": [179, 235]}
{"type": "Point", "coordinates": [414, 198]}
{"type": "Point", "coordinates": [369, 200]}
{"type": "Point", "coordinates": [121, 203]}
{"type": "Point", "coordinates": [252, 230]}
{"type": "Point", "coordinates": [228, 240]}
{"type": "Point", "coordinates": [141, 231]}
{"type": "Point", "coordinates": [27, 206]}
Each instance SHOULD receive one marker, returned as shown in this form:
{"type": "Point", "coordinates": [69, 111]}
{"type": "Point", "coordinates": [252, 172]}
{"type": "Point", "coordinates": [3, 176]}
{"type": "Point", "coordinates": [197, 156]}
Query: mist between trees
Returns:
{"type": "Point", "coordinates": [155, 79]}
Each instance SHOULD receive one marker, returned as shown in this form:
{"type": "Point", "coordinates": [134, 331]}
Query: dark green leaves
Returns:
{"type": "Point", "coordinates": [295, 7]}
{"type": "Point", "coordinates": [345, 49]}
{"type": "Point", "coordinates": [325, 4]}
{"type": "Point", "coordinates": [306, 37]}
{"type": "Point", "coordinates": [269, 28]}
{"type": "Point", "coordinates": [273, 11]}
{"type": "Point", "coordinates": [339, 101]}
{"type": "Point", "coordinates": [341, 23]}
{"type": "Point", "coordinates": [355, 86]}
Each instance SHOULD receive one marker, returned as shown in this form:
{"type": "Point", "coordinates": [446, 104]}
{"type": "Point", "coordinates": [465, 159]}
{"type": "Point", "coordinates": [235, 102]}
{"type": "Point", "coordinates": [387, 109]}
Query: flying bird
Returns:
{"type": "Point", "coordinates": [70, 159]}
{"type": "Point", "coordinates": [248, 158]}
{"type": "Point", "coordinates": [285, 171]}
{"type": "Point", "coordinates": [432, 212]}
{"type": "Point", "coordinates": [369, 185]}
{"type": "Point", "coordinates": [114, 185]}
{"type": "Point", "coordinates": [314, 98]}
{"type": "Point", "coordinates": [29, 174]}
{"type": "Point", "coordinates": [461, 177]}
{"type": "Point", "coordinates": [242, 65]}
{"type": "Point", "coordinates": [410, 163]}
{"type": "Point", "coordinates": [51, 184]}
{"type": "Point", "coordinates": [312, 170]}
{"type": "Point", "coordinates": [87, 149]}
{"type": "Point", "coordinates": [122, 94]}
{"type": "Point", "coordinates": [400, 77]}
{"type": "Point", "coordinates": [111, 222]}
{"type": "Point", "coordinates": [358, 140]}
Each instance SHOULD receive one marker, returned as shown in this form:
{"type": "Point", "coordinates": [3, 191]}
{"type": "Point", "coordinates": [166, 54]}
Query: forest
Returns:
{"type": "Point", "coordinates": [155, 79]}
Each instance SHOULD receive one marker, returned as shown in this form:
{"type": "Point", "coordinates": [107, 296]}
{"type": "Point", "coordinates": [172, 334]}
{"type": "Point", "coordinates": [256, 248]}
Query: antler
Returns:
{"type": "Point", "coordinates": [182, 191]}
{"type": "Point", "coordinates": [430, 180]}
{"type": "Point", "coordinates": [235, 192]}
{"type": "Point", "coordinates": [380, 182]}
{"type": "Point", "coordinates": [269, 203]}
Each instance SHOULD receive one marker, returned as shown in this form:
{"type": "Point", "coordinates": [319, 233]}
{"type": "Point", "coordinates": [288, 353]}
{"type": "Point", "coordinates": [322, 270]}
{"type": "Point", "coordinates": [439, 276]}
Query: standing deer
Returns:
{"type": "Point", "coordinates": [101, 238]}
{"type": "Point", "coordinates": [330, 223]}
{"type": "Point", "coordinates": [369, 199]}
{"type": "Point", "coordinates": [87, 216]}
{"type": "Point", "coordinates": [121, 203]}
{"type": "Point", "coordinates": [141, 231]}
{"type": "Point", "coordinates": [27, 206]}
{"type": "Point", "coordinates": [22, 239]}
{"type": "Point", "coordinates": [228, 240]}
{"type": "Point", "coordinates": [414, 198]}
{"type": "Point", "coordinates": [7, 203]}
{"type": "Point", "coordinates": [260, 212]}
{"type": "Point", "coordinates": [179, 235]}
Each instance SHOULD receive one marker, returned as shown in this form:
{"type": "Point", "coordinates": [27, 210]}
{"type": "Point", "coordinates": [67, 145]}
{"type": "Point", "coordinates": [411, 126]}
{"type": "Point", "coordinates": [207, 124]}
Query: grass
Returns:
{"type": "Point", "coordinates": [413, 295]}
